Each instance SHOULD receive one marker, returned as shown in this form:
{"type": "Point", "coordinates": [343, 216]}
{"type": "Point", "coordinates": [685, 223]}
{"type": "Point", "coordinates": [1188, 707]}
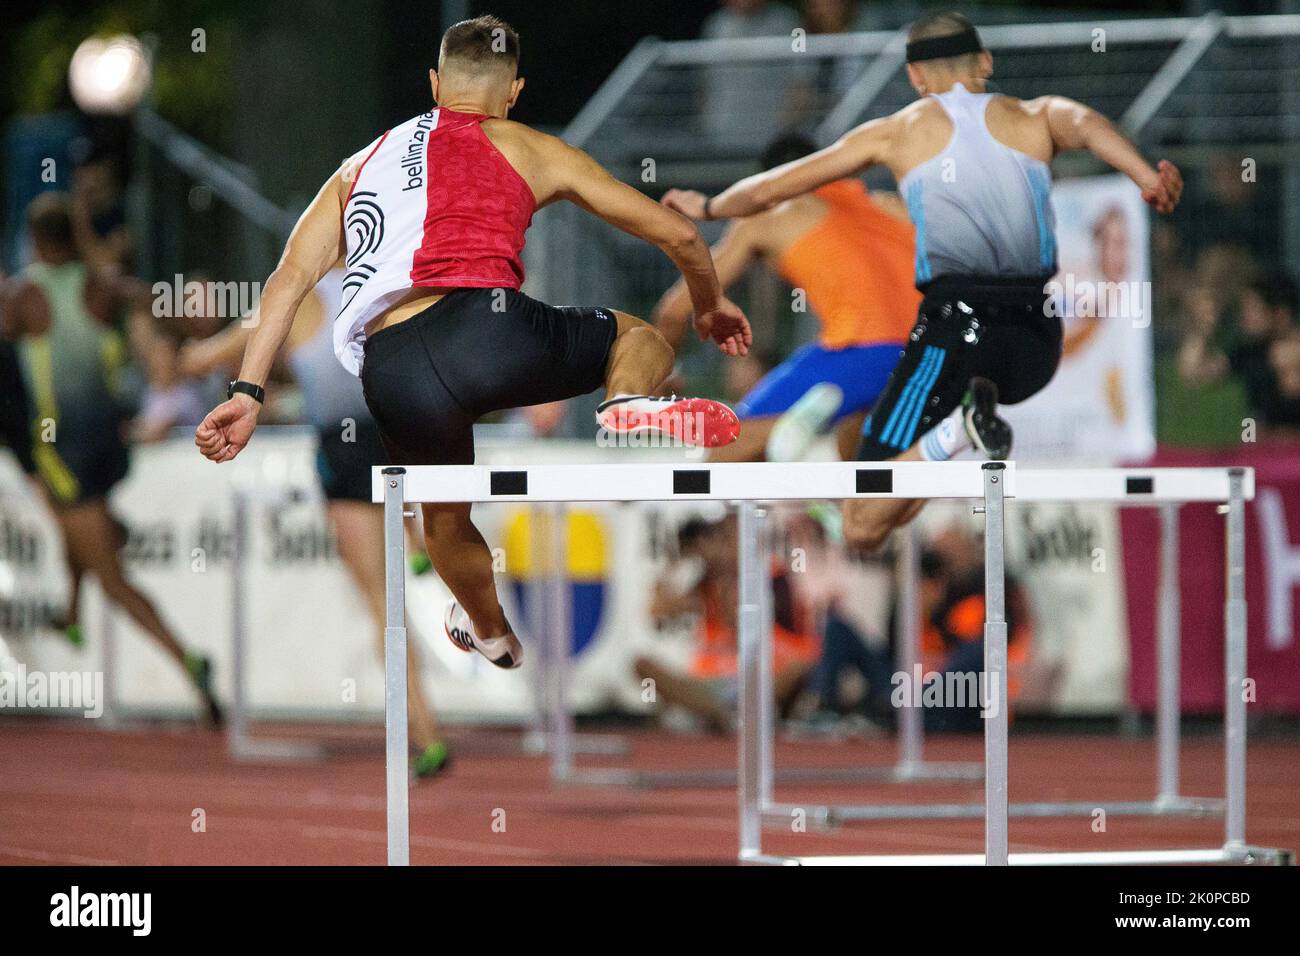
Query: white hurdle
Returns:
{"type": "Point", "coordinates": [241, 744]}
{"type": "Point", "coordinates": [749, 483]}
{"type": "Point", "coordinates": [745, 483]}
{"type": "Point", "coordinates": [1168, 800]}
{"type": "Point", "coordinates": [1167, 487]}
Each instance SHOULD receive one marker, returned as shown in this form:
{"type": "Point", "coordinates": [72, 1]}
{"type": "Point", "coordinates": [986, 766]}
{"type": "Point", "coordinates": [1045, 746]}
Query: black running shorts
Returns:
{"type": "Point", "coordinates": [472, 352]}
{"type": "Point", "coordinates": [967, 327]}
{"type": "Point", "coordinates": [87, 457]}
{"type": "Point", "coordinates": [344, 459]}
{"type": "Point", "coordinates": [15, 408]}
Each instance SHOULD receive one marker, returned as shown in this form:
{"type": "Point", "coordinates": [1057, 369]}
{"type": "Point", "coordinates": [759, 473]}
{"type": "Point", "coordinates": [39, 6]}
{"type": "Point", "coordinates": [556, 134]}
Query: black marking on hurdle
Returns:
{"type": "Point", "coordinates": [1140, 486]}
{"type": "Point", "coordinates": [394, 470]}
{"type": "Point", "coordinates": [875, 481]}
{"type": "Point", "coordinates": [509, 483]}
{"type": "Point", "coordinates": [690, 482]}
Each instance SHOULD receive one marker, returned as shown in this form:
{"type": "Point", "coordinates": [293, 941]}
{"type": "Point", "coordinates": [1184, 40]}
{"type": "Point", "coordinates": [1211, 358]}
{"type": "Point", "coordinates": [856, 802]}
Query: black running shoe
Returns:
{"type": "Point", "coordinates": [990, 434]}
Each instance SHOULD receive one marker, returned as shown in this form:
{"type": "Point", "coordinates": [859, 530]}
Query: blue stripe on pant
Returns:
{"type": "Point", "coordinates": [901, 427]}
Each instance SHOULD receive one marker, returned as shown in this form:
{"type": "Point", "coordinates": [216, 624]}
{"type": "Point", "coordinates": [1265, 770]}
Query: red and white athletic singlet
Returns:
{"type": "Point", "coordinates": [433, 203]}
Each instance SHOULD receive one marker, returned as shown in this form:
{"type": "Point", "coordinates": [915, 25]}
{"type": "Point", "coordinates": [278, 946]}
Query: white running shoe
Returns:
{"type": "Point", "coordinates": [504, 651]}
{"type": "Point", "coordinates": [796, 430]}
{"type": "Point", "coordinates": [696, 422]}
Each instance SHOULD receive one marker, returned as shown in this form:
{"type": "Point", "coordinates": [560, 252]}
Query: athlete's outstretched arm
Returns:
{"type": "Point", "coordinates": [1075, 126]}
{"type": "Point", "coordinates": [731, 256]}
{"type": "Point", "coordinates": [314, 245]}
{"type": "Point", "coordinates": [854, 151]}
{"type": "Point", "coordinates": [575, 176]}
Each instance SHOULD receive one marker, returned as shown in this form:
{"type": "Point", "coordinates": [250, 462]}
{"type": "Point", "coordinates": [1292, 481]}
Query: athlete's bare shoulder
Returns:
{"type": "Point", "coordinates": [547, 163]}
{"type": "Point", "coordinates": [1035, 109]}
{"type": "Point", "coordinates": [529, 151]}
{"type": "Point", "coordinates": [921, 130]}
{"type": "Point", "coordinates": [1021, 124]}
{"type": "Point", "coordinates": [917, 111]}
{"type": "Point", "coordinates": [510, 131]}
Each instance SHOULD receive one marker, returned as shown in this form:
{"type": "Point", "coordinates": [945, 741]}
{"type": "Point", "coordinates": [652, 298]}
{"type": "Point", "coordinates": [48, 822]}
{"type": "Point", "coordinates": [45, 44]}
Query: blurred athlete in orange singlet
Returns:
{"type": "Point", "coordinates": [851, 253]}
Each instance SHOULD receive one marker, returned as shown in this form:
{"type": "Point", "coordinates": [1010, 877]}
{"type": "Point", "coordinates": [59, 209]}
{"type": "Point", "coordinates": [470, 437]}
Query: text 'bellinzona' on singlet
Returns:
{"type": "Point", "coordinates": [980, 208]}
{"type": "Point", "coordinates": [433, 204]}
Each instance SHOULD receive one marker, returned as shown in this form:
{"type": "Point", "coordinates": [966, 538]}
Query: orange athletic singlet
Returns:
{"type": "Point", "coordinates": [857, 267]}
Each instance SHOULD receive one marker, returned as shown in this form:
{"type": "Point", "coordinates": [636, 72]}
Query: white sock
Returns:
{"type": "Point", "coordinates": [946, 439]}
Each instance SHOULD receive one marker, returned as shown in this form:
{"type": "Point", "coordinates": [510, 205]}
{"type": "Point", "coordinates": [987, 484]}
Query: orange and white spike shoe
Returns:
{"type": "Point", "coordinates": [695, 422]}
{"type": "Point", "coordinates": [504, 651]}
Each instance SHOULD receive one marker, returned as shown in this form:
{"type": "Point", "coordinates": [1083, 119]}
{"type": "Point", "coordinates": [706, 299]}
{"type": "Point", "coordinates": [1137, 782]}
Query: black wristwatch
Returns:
{"type": "Point", "coordinates": [248, 388]}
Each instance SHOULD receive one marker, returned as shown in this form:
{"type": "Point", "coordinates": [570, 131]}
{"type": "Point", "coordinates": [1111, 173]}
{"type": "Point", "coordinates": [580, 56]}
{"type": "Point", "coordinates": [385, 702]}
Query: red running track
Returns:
{"type": "Point", "coordinates": [72, 794]}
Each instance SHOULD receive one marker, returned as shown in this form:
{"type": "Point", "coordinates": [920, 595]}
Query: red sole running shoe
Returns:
{"type": "Point", "coordinates": [695, 422]}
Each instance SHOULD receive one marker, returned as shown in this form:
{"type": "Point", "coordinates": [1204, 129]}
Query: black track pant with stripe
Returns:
{"type": "Point", "coordinates": [997, 329]}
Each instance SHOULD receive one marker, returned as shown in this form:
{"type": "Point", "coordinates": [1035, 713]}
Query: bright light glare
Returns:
{"type": "Point", "coordinates": [109, 75]}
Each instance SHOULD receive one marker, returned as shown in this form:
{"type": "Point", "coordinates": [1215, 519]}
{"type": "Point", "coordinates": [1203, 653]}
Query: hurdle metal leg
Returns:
{"type": "Point", "coordinates": [111, 718]}
{"type": "Point", "coordinates": [911, 720]}
{"type": "Point", "coordinates": [995, 670]}
{"type": "Point", "coordinates": [749, 626]}
{"type": "Point", "coordinates": [1235, 847]}
{"type": "Point", "coordinates": [911, 765]}
{"type": "Point", "coordinates": [1168, 658]}
{"type": "Point", "coordinates": [1169, 677]}
{"type": "Point", "coordinates": [398, 775]}
{"type": "Point", "coordinates": [240, 743]}
{"type": "Point", "coordinates": [559, 627]}
{"type": "Point", "coordinates": [766, 661]}
{"type": "Point", "coordinates": [1234, 669]}
{"type": "Point", "coordinates": [553, 622]}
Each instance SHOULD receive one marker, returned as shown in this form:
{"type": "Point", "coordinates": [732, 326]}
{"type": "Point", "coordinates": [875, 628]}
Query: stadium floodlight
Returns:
{"type": "Point", "coordinates": [109, 75]}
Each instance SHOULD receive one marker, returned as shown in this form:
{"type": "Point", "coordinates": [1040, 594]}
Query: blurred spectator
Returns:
{"type": "Point", "coordinates": [742, 101]}
{"type": "Point", "coordinates": [833, 76]}
{"type": "Point", "coordinates": [63, 314]}
{"type": "Point", "coordinates": [1225, 207]}
{"type": "Point", "coordinates": [1265, 355]}
{"type": "Point", "coordinates": [171, 400]}
{"type": "Point", "coordinates": [953, 614]}
{"type": "Point", "coordinates": [99, 215]}
{"type": "Point", "coordinates": [833, 16]}
{"type": "Point", "coordinates": [833, 590]}
{"type": "Point", "coordinates": [702, 584]}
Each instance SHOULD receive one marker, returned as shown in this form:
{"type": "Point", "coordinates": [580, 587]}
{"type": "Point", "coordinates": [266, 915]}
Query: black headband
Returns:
{"type": "Point", "coordinates": [935, 48]}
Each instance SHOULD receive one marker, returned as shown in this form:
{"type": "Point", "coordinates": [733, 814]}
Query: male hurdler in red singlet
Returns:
{"type": "Point", "coordinates": [429, 221]}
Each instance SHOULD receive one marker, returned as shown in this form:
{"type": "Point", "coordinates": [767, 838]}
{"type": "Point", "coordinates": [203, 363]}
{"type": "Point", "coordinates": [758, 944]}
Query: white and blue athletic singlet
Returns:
{"type": "Point", "coordinates": [980, 208]}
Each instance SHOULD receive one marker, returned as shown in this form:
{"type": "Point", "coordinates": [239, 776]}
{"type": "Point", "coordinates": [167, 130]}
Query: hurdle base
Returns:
{"type": "Point", "coordinates": [720, 777]}
{"type": "Point", "coordinates": [830, 815]}
{"type": "Point", "coordinates": [538, 743]}
{"type": "Point", "coordinates": [1227, 855]}
{"type": "Point", "coordinates": [267, 750]}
